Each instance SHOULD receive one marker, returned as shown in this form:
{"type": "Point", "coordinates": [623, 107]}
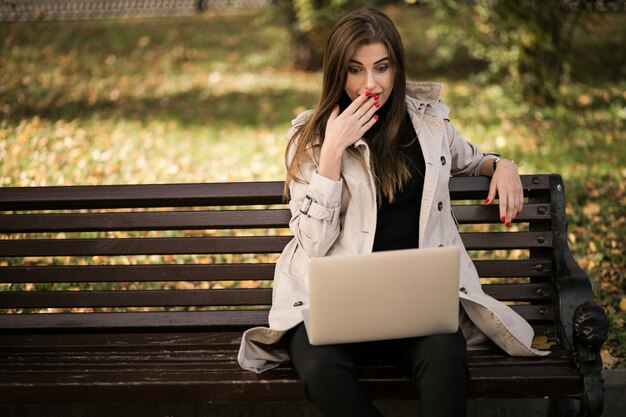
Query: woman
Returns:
{"type": "Point", "coordinates": [368, 170]}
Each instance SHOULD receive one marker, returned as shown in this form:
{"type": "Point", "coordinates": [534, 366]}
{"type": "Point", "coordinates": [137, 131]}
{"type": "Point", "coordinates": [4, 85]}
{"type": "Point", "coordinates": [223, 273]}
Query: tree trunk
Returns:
{"type": "Point", "coordinates": [307, 56]}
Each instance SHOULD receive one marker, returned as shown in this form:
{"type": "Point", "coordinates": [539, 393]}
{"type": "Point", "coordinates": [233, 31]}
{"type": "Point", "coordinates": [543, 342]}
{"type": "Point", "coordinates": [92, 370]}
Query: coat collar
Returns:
{"type": "Point", "coordinates": [427, 92]}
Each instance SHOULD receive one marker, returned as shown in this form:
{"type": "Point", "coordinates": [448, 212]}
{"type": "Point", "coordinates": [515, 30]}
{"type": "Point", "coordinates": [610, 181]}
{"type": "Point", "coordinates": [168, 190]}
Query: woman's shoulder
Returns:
{"type": "Point", "coordinates": [302, 118]}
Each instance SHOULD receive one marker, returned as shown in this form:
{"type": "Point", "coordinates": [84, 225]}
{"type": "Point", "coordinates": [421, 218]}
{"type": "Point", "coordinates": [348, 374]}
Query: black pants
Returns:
{"type": "Point", "coordinates": [437, 364]}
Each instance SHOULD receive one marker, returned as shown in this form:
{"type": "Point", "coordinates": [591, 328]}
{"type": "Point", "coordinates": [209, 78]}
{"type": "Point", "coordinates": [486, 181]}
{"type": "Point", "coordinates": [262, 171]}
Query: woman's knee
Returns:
{"type": "Point", "coordinates": [444, 347]}
{"type": "Point", "coordinates": [324, 365]}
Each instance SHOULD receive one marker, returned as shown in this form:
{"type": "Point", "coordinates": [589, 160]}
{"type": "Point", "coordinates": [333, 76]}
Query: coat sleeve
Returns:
{"type": "Point", "coordinates": [315, 205]}
{"type": "Point", "coordinates": [466, 157]}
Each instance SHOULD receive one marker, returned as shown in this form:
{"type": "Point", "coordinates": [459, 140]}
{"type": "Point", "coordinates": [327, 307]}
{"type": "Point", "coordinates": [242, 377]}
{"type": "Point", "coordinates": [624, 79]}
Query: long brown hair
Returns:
{"type": "Point", "coordinates": [354, 30]}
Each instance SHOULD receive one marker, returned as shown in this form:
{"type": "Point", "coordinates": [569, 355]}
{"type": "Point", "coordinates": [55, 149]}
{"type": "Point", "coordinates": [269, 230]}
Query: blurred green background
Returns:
{"type": "Point", "coordinates": [208, 98]}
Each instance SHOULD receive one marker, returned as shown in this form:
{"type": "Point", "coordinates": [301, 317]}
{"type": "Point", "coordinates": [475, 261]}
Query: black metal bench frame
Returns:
{"type": "Point", "coordinates": [113, 343]}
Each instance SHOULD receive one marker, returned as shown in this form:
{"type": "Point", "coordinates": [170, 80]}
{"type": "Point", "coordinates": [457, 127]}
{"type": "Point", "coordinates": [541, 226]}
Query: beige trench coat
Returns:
{"type": "Point", "coordinates": [341, 219]}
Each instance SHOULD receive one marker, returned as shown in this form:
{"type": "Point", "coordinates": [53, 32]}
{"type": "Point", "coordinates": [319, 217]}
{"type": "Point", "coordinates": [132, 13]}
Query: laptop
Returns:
{"type": "Point", "coordinates": [383, 295]}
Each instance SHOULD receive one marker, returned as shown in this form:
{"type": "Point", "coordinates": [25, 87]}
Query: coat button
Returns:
{"type": "Point", "coordinates": [463, 290]}
{"type": "Point", "coordinates": [440, 206]}
{"type": "Point", "coordinates": [298, 304]}
{"type": "Point", "coordinates": [443, 160]}
{"type": "Point", "coordinates": [441, 245]}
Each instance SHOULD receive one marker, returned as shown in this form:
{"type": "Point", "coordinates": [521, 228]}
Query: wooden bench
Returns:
{"type": "Point", "coordinates": [139, 294]}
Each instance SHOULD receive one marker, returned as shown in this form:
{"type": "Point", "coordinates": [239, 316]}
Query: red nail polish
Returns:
{"type": "Point", "coordinates": [367, 93]}
{"type": "Point", "coordinates": [375, 117]}
{"type": "Point", "coordinates": [502, 219]}
{"type": "Point", "coordinates": [487, 201]}
{"type": "Point", "coordinates": [377, 105]}
{"type": "Point", "coordinates": [376, 97]}
{"type": "Point", "coordinates": [508, 225]}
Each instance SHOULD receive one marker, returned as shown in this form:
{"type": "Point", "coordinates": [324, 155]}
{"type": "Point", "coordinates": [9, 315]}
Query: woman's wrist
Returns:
{"type": "Point", "coordinates": [498, 161]}
{"type": "Point", "coordinates": [490, 166]}
{"type": "Point", "coordinates": [330, 163]}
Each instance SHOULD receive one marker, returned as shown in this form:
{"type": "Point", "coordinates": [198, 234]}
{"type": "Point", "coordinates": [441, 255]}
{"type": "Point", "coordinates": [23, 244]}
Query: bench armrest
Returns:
{"type": "Point", "coordinates": [584, 323]}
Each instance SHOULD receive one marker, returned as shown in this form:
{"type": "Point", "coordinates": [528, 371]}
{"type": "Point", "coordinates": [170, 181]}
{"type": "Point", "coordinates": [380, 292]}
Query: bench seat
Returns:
{"type": "Point", "coordinates": [197, 367]}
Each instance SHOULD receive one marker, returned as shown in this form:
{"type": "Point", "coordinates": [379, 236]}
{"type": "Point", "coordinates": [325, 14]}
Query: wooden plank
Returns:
{"type": "Point", "coordinates": [188, 195]}
{"type": "Point", "coordinates": [226, 244]}
{"type": "Point", "coordinates": [138, 320]}
{"type": "Point", "coordinates": [136, 298]}
{"type": "Point", "coordinates": [219, 297]}
{"type": "Point", "coordinates": [521, 292]}
{"type": "Point", "coordinates": [535, 312]}
{"type": "Point", "coordinates": [514, 268]}
{"type": "Point", "coordinates": [137, 273]}
{"type": "Point", "coordinates": [131, 196]}
{"type": "Point", "coordinates": [213, 219]}
{"type": "Point", "coordinates": [219, 272]}
{"type": "Point", "coordinates": [126, 221]}
{"type": "Point", "coordinates": [476, 188]}
{"type": "Point", "coordinates": [185, 319]}
{"type": "Point", "coordinates": [157, 340]}
{"type": "Point", "coordinates": [116, 341]}
{"type": "Point", "coordinates": [506, 240]}
{"type": "Point", "coordinates": [147, 246]}
{"type": "Point", "coordinates": [481, 214]}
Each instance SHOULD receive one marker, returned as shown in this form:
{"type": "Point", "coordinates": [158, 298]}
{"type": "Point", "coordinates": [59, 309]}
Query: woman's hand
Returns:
{"type": "Point", "coordinates": [343, 130]}
{"type": "Point", "coordinates": [507, 183]}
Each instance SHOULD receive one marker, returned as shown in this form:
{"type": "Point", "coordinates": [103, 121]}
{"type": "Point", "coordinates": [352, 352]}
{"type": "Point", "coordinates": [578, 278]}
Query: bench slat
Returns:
{"type": "Point", "coordinates": [175, 220]}
{"type": "Point", "coordinates": [234, 245]}
{"type": "Point", "coordinates": [217, 297]}
{"type": "Point", "coordinates": [201, 298]}
{"type": "Point", "coordinates": [214, 194]}
{"type": "Point", "coordinates": [147, 246]}
{"type": "Point", "coordinates": [151, 320]}
{"type": "Point", "coordinates": [481, 214]}
{"type": "Point", "coordinates": [144, 320]}
{"type": "Point", "coordinates": [219, 272]}
{"type": "Point", "coordinates": [136, 298]}
{"type": "Point", "coordinates": [140, 273]}
{"type": "Point", "coordinates": [61, 342]}
{"type": "Point", "coordinates": [507, 240]}
{"type": "Point", "coordinates": [212, 219]}
{"type": "Point", "coordinates": [133, 196]}
{"type": "Point", "coordinates": [194, 360]}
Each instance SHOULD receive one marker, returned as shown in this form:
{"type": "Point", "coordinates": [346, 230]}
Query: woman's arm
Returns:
{"type": "Point", "coordinates": [506, 182]}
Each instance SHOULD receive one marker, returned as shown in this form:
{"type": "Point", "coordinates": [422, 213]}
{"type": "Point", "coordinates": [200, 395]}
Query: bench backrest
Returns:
{"type": "Point", "coordinates": [202, 255]}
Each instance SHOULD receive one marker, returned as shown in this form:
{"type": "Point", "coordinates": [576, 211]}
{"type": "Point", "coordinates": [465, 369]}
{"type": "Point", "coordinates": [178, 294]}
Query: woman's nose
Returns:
{"type": "Point", "coordinates": [371, 81]}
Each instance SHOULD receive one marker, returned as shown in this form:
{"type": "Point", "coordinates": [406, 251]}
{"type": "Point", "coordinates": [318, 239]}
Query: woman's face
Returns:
{"type": "Point", "coordinates": [370, 70]}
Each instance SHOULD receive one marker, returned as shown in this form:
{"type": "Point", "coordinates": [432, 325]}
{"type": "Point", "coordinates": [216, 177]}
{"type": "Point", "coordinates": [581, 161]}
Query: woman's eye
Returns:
{"type": "Point", "coordinates": [354, 70]}
{"type": "Point", "coordinates": [382, 68]}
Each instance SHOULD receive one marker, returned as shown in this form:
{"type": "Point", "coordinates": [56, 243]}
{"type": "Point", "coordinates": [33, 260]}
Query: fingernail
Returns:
{"type": "Point", "coordinates": [518, 213]}
{"type": "Point", "coordinates": [502, 219]}
{"type": "Point", "coordinates": [508, 225]}
{"type": "Point", "coordinates": [377, 105]}
{"type": "Point", "coordinates": [376, 97]}
{"type": "Point", "coordinates": [367, 93]}
{"type": "Point", "coordinates": [375, 117]}
{"type": "Point", "coordinates": [487, 201]}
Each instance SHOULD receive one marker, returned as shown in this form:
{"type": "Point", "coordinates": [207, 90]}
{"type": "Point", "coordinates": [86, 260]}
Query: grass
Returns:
{"type": "Point", "coordinates": [197, 99]}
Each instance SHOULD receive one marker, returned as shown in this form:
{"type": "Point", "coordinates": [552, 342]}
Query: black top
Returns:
{"type": "Point", "coordinates": [397, 225]}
